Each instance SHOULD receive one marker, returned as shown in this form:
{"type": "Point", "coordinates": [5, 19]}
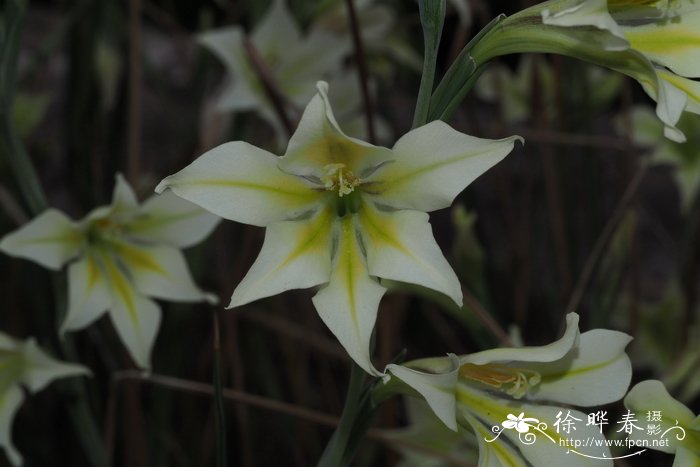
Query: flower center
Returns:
{"type": "Point", "coordinates": [512, 380]}
{"type": "Point", "coordinates": [337, 177]}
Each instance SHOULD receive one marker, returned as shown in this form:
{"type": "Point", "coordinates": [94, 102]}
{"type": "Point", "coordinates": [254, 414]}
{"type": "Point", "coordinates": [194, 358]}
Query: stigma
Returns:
{"type": "Point", "coordinates": [337, 177]}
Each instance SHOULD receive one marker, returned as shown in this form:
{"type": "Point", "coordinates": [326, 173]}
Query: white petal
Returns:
{"type": "Point", "coordinates": [240, 182]}
{"type": "Point", "coordinates": [123, 197]}
{"type": "Point", "coordinates": [10, 400]}
{"type": "Point", "coordinates": [438, 389]}
{"type": "Point", "coordinates": [170, 219]}
{"type": "Point", "coordinates": [135, 318]}
{"type": "Point", "coordinates": [277, 30]}
{"type": "Point", "coordinates": [51, 239]}
{"type": "Point", "coordinates": [400, 246]}
{"type": "Point", "coordinates": [589, 13]}
{"type": "Point", "coordinates": [434, 163]}
{"type": "Point", "coordinates": [496, 453]}
{"type": "Point", "coordinates": [544, 353]}
{"type": "Point", "coordinates": [689, 87]}
{"type": "Point", "coordinates": [160, 271]}
{"type": "Point", "coordinates": [686, 458]}
{"type": "Point", "coordinates": [653, 395]}
{"type": "Point", "coordinates": [671, 43]}
{"type": "Point", "coordinates": [548, 447]}
{"type": "Point", "coordinates": [40, 368]}
{"type": "Point", "coordinates": [318, 141]}
{"type": "Point", "coordinates": [349, 303]}
{"type": "Point", "coordinates": [596, 372]}
{"type": "Point", "coordinates": [295, 255]}
{"type": "Point", "coordinates": [88, 293]}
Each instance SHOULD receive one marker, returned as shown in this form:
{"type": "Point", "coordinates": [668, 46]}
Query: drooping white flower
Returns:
{"type": "Point", "coordinates": [341, 213]}
{"type": "Point", "coordinates": [119, 256]}
{"type": "Point", "coordinates": [492, 386]}
{"type": "Point", "coordinates": [23, 364]}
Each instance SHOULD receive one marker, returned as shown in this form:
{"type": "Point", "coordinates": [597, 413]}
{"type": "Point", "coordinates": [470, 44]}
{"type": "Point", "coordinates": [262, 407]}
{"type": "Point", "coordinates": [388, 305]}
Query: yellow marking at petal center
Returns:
{"type": "Point", "coordinates": [139, 259]}
{"type": "Point", "coordinates": [311, 238]}
{"type": "Point", "coordinates": [303, 192]}
{"type": "Point", "coordinates": [122, 287]}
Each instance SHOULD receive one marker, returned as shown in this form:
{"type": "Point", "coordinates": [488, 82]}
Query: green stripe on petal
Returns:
{"type": "Point", "coordinates": [349, 303]}
{"type": "Point", "coordinates": [494, 454]}
{"type": "Point", "coordinates": [295, 255]}
{"type": "Point", "coordinates": [400, 246]}
{"type": "Point", "coordinates": [240, 182]}
{"type": "Point", "coordinates": [690, 87]}
{"type": "Point", "coordinates": [51, 239]}
{"type": "Point", "coordinates": [434, 163]}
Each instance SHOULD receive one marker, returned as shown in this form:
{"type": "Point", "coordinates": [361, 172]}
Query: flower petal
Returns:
{"type": "Point", "coordinates": [672, 43]}
{"type": "Point", "coordinates": [170, 219]}
{"type": "Point", "coordinates": [40, 368]}
{"type": "Point", "coordinates": [276, 31]}
{"type": "Point", "coordinates": [686, 458]}
{"type": "Point", "coordinates": [494, 454]}
{"type": "Point", "coordinates": [438, 389]}
{"type": "Point", "coordinates": [652, 395]}
{"type": "Point", "coordinates": [318, 142]}
{"type": "Point", "coordinates": [10, 400]}
{"type": "Point", "coordinates": [51, 239]}
{"type": "Point", "coordinates": [295, 255]}
{"type": "Point", "coordinates": [88, 293]}
{"type": "Point", "coordinates": [596, 372]}
{"type": "Point", "coordinates": [689, 87]}
{"type": "Point", "coordinates": [240, 182]}
{"type": "Point", "coordinates": [123, 197]}
{"type": "Point", "coordinates": [543, 444]}
{"type": "Point", "coordinates": [400, 246]}
{"type": "Point", "coordinates": [434, 163]}
{"type": "Point", "coordinates": [135, 318]}
{"type": "Point", "coordinates": [545, 353]}
{"type": "Point", "coordinates": [349, 303]}
{"type": "Point", "coordinates": [160, 271]}
{"type": "Point", "coordinates": [588, 13]}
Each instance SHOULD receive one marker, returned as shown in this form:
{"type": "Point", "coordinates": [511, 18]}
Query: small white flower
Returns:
{"type": "Point", "coordinates": [119, 255]}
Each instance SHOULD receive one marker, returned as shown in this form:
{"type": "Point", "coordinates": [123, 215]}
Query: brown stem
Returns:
{"type": "Point", "coordinates": [272, 88]}
{"type": "Point", "coordinates": [486, 319]}
{"type": "Point", "coordinates": [363, 75]}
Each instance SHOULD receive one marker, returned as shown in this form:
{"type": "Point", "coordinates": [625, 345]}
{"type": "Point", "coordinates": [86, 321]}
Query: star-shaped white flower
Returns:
{"type": "Point", "coordinates": [488, 387]}
{"type": "Point", "coordinates": [119, 256]}
{"type": "Point", "coordinates": [341, 213]}
{"type": "Point", "coordinates": [23, 364]}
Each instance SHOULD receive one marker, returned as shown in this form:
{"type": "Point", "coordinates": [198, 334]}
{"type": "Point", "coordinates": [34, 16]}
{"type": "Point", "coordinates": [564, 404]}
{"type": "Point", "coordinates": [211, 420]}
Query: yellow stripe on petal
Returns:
{"type": "Point", "coordinates": [673, 43]}
{"type": "Point", "coordinates": [138, 258]}
{"type": "Point", "coordinates": [349, 303]}
{"type": "Point", "coordinates": [122, 289]}
{"type": "Point", "coordinates": [688, 86]}
{"type": "Point", "coordinates": [295, 255]}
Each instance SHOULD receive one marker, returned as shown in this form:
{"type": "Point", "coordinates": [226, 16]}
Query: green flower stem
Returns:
{"type": "Point", "coordinates": [432, 17]}
{"type": "Point", "coordinates": [355, 415]}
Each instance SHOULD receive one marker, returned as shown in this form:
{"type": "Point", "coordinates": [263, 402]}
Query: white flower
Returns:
{"type": "Point", "coordinates": [341, 213]}
{"type": "Point", "coordinates": [120, 255]}
{"type": "Point", "coordinates": [24, 365]}
{"type": "Point", "coordinates": [488, 387]}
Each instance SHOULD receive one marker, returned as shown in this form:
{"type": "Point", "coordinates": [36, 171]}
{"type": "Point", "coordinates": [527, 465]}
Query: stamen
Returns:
{"type": "Point", "coordinates": [338, 178]}
{"type": "Point", "coordinates": [512, 380]}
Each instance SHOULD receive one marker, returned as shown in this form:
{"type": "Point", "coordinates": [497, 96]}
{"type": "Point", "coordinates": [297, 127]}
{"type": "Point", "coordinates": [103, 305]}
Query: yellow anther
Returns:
{"type": "Point", "coordinates": [338, 178]}
{"type": "Point", "coordinates": [512, 380]}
